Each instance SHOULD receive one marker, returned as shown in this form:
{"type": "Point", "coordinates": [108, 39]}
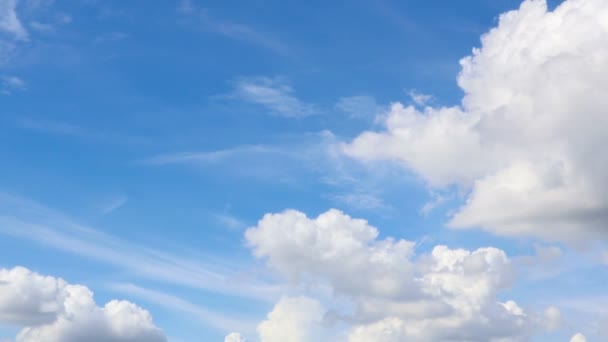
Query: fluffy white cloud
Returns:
{"type": "Point", "coordinates": [297, 319]}
{"type": "Point", "coordinates": [52, 310]}
{"type": "Point", "coordinates": [448, 294]}
{"type": "Point", "coordinates": [578, 338]}
{"type": "Point", "coordinates": [528, 139]}
{"type": "Point", "coordinates": [234, 337]}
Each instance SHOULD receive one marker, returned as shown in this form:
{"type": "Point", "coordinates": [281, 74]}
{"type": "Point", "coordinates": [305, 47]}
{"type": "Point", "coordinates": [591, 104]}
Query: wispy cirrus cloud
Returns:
{"type": "Point", "coordinates": [27, 220]}
{"type": "Point", "coordinates": [208, 157]}
{"type": "Point", "coordinates": [52, 126]}
{"type": "Point", "coordinates": [178, 304]}
{"type": "Point", "coordinates": [113, 203]}
{"type": "Point", "coordinates": [273, 93]}
{"type": "Point", "coordinates": [9, 20]}
{"type": "Point", "coordinates": [232, 30]}
{"type": "Point", "coordinates": [359, 106]}
{"type": "Point", "coordinates": [10, 84]}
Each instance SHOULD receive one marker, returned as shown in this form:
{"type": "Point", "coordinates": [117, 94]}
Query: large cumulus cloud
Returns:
{"type": "Point", "coordinates": [528, 139]}
{"type": "Point", "coordinates": [395, 295]}
{"type": "Point", "coordinates": [51, 310]}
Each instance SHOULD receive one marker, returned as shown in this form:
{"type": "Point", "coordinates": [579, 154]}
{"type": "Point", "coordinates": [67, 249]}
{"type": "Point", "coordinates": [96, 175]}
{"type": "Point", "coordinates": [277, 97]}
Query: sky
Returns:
{"type": "Point", "coordinates": [284, 171]}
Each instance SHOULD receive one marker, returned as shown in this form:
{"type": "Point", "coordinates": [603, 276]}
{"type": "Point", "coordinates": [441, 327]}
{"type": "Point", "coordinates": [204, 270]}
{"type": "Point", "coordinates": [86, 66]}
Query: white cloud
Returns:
{"type": "Point", "coordinates": [9, 21]}
{"type": "Point", "coordinates": [232, 30]}
{"type": "Point", "coordinates": [50, 309]}
{"type": "Point", "coordinates": [449, 294]}
{"type": "Point", "coordinates": [28, 220]}
{"type": "Point", "coordinates": [419, 98]}
{"type": "Point", "coordinates": [528, 139]}
{"type": "Point", "coordinates": [113, 203]}
{"type": "Point", "coordinates": [359, 106]}
{"type": "Point", "coordinates": [361, 201]}
{"type": "Point", "coordinates": [9, 84]}
{"type": "Point", "coordinates": [293, 319]}
{"type": "Point", "coordinates": [274, 94]}
{"type": "Point", "coordinates": [234, 337]}
{"type": "Point", "coordinates": [578, 338]}
{"type": "Point", "coordinates": [177, 304]}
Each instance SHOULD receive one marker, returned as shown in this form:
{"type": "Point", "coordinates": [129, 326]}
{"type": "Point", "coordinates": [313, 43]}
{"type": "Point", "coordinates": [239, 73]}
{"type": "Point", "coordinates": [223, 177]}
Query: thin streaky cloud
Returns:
{"type": "Point", "coordinates": [114, 203]}
{"type": "Point", "coordinates": [174, 303]}
{"type": "Point", "coordinates": [10, 84]}
{"type": "Point", "coordinates": [10, 22]}
{"type": "Point", "coordinates": [51, 126]}
{"type": "Point", "coordinates": [28, 220]}
{"type": "Point", "coordinates": [208, 156]}
{"type": "Point", "coordinates": [274, 93]}
{"type": "Point", "coordinates": [233, 30]}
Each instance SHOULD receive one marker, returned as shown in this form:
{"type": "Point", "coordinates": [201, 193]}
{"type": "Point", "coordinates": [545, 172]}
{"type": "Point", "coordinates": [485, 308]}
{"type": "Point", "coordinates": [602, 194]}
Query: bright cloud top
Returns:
{"type": "Point", "coordinates": [529, 137]}
{"type": "Point", "coordinates": [449, 294]}
{"type": "Point", "coordinates": [49, 309]}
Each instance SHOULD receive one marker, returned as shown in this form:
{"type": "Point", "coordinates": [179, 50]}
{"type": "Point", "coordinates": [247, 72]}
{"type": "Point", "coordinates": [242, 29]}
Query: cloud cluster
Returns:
{"type": "Point", "coordinates": [528, 139]}
{"type": "Point", "coordinates": [447, 294]}
{"type": "Point", "coordinates": [49, 309]}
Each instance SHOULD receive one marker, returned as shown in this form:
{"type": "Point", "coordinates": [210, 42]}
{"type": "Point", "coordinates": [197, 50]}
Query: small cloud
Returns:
{"type": "Point", "coordinates": [41, 27]}
{"type": "Point", "coordinates": [186, 7]}
{"type": "Point", "coordinates": [229, 221]}
{"type": "Point", "coordinates": [54, 127]}
{"type": "Point", "coordinates": [10, 84]}
{"type": "Point", "coordinates": [605, 258]}
{"type": "Point", "coordinates": [358, 107]}
{"type": "Point", "coordinates": [419, 98]}
{"type": "Point", "coordinates": [360, 201]}
{"type": "Point", "coordinates": [437, 199]}
{"type": "Point", "coordinates": [113, 203]}
{"type": "Point", "coordinates": [274, 94]}
{"type": "Point", "coordinates": [232, 30]}
{"type": "Point", "coordinates": [9, 21]}
{"type": "Point", "coordinates": [209, 156]}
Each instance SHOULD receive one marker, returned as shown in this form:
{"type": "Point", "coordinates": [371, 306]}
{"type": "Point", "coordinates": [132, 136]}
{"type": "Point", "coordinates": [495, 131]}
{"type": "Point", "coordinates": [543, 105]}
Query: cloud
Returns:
{"type": "Point", "coordinates": [528, 140]}
{"type": "Point", "coordinates": [28, 220]}
{"type": "Point", "coordinates": [234, 337]}
{"type": "Point", "coordinates": [177, 304]}
{"type": "Point", "coordinates": [50, 309]}
{"type": "Point", "coordinates": [50, 126]}
{"type": "Point", "coordinates": [209, 157]}
{"type": "Point", "coordinates": [361, 201]}
{"type": "Point", "coordinates": [419, 98]}
{"type": "Point", "coordinates": [448, 294]}
{"type": "Point", "coordinates": [274, 94]}
{"type": "Point", "coordinates": [9, 21]}
{"type": "Point", "coordinates": [359, 106]}
{"type": "Point", "coordinates": [113, 203]}
{"type": "Point", "coordinates": [578, 338]}
{"type": "Point", "coordinates": [232, 30]}
{"type": "Point", "coordinates": [10, 84]}
{"type": "Point", "coordinates": [293, 319]}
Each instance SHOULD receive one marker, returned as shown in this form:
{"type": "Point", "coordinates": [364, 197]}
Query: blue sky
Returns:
{"type": "Point", "coordinates": [139, 141]}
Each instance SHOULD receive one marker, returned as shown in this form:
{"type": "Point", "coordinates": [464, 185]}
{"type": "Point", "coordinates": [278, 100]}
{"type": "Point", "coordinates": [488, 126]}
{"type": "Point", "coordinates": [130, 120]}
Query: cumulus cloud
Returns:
{"type": "Point", "coordinates": [578, 338]}
{"type": "Point", "coordinates": [293, 319]}
{"type": "Point", "coordinates": [234, 337]}
{"type": "Point", "coordinates": [528, 139]}
{"type": "Point", "coordinates": [50, 309]}
{"type": "Point", "coordinates": [447, 294]}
